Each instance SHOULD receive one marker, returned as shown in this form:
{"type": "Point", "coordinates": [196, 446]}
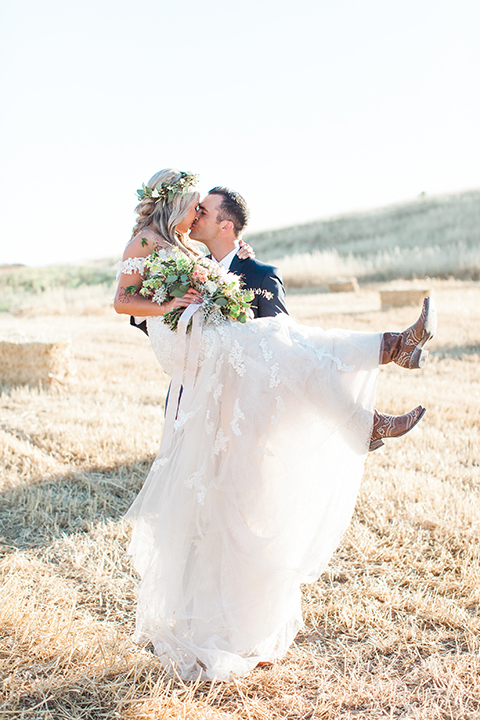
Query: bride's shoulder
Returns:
{"type": "Point", "coordinates": [144, 243]}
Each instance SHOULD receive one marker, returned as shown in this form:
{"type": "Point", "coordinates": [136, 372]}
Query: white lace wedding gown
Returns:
{"type": "Point", "coordinates": [252, 493]}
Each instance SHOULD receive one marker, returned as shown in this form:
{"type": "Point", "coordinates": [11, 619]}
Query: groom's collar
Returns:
{"type": "Point", "coordinates": [227, 260]}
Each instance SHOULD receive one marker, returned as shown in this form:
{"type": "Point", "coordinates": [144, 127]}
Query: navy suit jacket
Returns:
{"type": "Point", "coordinates": [256, 275]}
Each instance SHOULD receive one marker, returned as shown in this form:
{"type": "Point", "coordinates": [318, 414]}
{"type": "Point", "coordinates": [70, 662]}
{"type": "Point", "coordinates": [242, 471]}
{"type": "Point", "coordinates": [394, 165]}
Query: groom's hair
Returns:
{"type": "Point", "coordinates": [233, 208]}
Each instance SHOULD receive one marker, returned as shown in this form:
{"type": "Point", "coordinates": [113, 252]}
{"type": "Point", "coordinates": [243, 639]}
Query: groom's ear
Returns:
{"type": "Point", "coordinates": [226, 226]}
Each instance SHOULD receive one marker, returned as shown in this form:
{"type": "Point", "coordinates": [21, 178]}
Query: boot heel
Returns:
{"type": "Point", "coordinates": [418, 358]}
{"type": "Point", "coordinates": [375, 444]}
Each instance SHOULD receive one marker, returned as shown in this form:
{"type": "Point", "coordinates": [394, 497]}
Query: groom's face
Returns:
{"type": "Point", "coordinates": [206, 226]}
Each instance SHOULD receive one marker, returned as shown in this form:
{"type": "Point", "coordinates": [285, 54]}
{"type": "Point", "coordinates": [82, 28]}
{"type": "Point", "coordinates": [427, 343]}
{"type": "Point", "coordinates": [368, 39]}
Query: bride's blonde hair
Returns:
{"type": "Point", "coordinates": [163, 216]}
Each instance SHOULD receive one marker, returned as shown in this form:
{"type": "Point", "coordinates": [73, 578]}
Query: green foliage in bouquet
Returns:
{"type": "Point", "coordinates": [171, 276]}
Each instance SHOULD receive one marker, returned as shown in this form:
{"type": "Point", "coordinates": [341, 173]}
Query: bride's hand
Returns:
{"type": "Point", "coordinates": [245, 251]}
{"type": "Point", "coordinates": [190, 297]}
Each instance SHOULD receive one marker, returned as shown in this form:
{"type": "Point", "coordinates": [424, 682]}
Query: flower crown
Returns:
{"type": "Point", "coordinates": [169, 191]}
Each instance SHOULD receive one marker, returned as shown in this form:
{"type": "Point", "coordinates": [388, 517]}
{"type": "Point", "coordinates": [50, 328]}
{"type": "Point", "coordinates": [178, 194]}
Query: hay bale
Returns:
{"type": "Point", "coordinates": [347, 285]}
{"type": "Point", "coordinates": [32, 362]}
{"type": "Point", "coordinates": [404, 296]}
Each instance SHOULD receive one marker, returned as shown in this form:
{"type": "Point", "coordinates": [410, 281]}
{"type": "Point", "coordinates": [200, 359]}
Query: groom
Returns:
{"type": "Point", "coordinates": [221, 218]}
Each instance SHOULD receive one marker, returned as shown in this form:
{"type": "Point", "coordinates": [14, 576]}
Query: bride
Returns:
{"type": "Point", "coordinates": [266, 433]}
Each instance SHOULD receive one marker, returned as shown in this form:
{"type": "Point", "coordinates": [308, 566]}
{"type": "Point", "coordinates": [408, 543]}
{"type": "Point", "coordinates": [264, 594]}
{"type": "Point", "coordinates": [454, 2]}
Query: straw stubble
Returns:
{"type": "Point", "coordinates": [392, 626]}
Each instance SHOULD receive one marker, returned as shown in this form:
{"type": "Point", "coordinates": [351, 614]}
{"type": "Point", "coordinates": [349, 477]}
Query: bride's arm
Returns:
{"type": "Point", "coordinates": [128, 301]}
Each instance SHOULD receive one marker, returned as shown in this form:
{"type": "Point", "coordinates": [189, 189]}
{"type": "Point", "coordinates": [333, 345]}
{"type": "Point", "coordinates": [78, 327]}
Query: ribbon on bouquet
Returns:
{"type": "Point", "coordinates": [185, 363]}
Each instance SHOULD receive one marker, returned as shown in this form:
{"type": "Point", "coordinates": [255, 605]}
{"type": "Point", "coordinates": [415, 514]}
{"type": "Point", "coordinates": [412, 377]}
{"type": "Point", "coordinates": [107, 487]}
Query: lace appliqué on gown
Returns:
{"type": "Point", "coordinates": [195, 481]}
{"type": "Point", "coordinates": [182, 419]}
{"type": "Point", "coordinates": [237, 415]}
{"type": "Point", "coordinates": [267, 354]}
{"type": "Point", "coordinates": [235, 358]}
{"type": "Point", "coordinates": [274, 379]}
{"type": "Point", "coordinates": [221, 442]}
{"type": "Point", "coordinates": [131, 266]}
{"type": "Point", "coordinates": [214, 385]}
{"type": "Point", "coordinates": [281, 409]}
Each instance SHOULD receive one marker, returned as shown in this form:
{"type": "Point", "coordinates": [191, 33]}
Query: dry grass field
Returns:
{"type": "Point", "coordinates": [392, 629]}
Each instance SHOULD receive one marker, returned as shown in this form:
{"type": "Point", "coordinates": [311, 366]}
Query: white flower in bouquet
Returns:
{"type": "Point", "coordinates": [160, 295]}
{"type": "Point", "coordinates": [210, 286]}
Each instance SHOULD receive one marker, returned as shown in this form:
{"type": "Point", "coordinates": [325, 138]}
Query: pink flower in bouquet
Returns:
{"type": "Point", "coordinates": [200, 273]}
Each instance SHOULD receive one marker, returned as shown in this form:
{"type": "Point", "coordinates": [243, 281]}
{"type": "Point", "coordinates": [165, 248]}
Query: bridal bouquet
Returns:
{"type": "Point", "coordinates": [170, 275]}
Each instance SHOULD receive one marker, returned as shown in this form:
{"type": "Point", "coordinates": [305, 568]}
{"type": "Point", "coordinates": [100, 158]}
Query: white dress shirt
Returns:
{"type": "Point", "coordinates": [227, 260]}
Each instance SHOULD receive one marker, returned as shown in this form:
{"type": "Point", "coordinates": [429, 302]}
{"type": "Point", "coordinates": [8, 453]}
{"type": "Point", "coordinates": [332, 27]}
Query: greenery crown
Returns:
{"type": "Point", "coordinates": [169, 191]}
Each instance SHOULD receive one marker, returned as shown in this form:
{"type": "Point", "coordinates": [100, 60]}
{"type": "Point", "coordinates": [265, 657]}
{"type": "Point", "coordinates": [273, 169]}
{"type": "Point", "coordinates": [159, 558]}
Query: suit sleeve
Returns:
{"type": "Point", "coordinates": [140, 326]}
{"type": "Point", "coordinates": [272, 283]}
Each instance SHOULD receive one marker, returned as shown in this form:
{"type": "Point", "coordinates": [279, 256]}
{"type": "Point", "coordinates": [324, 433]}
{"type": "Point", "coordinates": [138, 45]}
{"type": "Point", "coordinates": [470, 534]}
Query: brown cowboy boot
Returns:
{"type": "Point", "coordinates": [393, 425]}
{"type": "Point", "coordinates": [406, 348]}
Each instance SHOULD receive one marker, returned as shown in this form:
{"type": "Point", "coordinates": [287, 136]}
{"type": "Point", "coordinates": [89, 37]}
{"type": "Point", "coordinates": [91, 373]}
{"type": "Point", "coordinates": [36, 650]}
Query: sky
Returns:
{"type": "Point", "coordinates": [309, 109]}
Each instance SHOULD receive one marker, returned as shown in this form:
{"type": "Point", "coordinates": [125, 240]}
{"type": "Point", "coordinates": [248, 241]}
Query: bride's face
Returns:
{"type": "Point", "coordinates": [185, 224]}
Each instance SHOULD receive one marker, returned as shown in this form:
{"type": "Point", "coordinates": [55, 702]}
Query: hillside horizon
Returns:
{"type": "Point", "coordinates": [347, 231]}
{"type": "Point", "coordinates": [434, 236]}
